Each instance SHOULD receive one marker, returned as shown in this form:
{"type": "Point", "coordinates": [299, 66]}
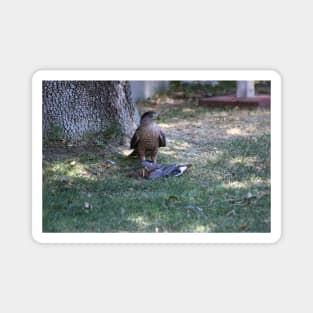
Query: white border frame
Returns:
{"type": "Point", "coordinates": [42, 237]}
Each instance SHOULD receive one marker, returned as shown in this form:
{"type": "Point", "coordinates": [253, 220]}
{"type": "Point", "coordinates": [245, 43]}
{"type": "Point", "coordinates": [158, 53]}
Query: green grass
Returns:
{"type": "Point", "coordinates": [226, 190]}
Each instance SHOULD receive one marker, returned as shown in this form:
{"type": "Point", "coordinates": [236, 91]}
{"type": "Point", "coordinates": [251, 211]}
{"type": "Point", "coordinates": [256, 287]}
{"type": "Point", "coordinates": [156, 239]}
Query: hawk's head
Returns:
{"type": "Point", "coordinates": [150, 115]}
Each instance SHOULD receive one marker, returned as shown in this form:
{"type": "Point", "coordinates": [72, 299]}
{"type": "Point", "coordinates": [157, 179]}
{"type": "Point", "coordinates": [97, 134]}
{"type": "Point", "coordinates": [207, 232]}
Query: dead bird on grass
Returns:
{"type": "Point", "coordinates": [150, 170]}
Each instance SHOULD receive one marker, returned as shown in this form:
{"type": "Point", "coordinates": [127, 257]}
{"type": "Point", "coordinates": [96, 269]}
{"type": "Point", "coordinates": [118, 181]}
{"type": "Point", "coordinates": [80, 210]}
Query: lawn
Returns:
{"type": "Point", "coordinates": [88, 188]}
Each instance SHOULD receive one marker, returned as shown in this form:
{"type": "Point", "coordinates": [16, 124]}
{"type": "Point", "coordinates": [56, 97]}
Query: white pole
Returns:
{"type": "Point", "coordinates": [245, 88]}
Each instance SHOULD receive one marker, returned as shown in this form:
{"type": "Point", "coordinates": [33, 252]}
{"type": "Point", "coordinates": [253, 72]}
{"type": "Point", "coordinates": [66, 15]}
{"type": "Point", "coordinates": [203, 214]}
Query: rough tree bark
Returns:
{"type": "Point", "coordinates": [77, 108]}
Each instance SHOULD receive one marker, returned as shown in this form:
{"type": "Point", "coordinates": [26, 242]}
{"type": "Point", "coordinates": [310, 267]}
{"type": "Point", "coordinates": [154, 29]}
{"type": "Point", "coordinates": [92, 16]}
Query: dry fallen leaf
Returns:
{"type": "Point", "coordinates": [87, 206]}
{"type": "Point", "coordinates": [249, 195]}
{"type": "Point", "coordinates": [231, 212]}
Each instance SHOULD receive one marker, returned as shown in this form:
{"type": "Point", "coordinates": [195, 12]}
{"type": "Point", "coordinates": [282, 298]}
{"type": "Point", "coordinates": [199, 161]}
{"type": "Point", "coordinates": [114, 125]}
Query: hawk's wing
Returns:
{"type": "Point", "coordinates": [135, 139]}
{"type": "Point", "coordinates": [162, 139]}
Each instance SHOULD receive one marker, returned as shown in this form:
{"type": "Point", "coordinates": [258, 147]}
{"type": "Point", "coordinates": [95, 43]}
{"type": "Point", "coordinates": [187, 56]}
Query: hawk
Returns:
{"type": "Point", "coordinates": [148, 137]}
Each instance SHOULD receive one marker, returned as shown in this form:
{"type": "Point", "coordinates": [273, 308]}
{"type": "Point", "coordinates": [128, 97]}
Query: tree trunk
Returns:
{"type": "Point", "coordinates": [73, 109]}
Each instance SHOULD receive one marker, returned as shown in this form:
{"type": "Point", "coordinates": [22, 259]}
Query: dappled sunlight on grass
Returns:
{"type": "Point", "coordinates": [180, 145]}
{"type": "Point", "coordinates": [258, 181]}
{"type": "Point", "coordinates": [65, 171]}
{"type": "Point", "coordinates": [234, 131]}
{"type": "Point", "coordinates": [141, 221]}
{"type": "Point", "coordinates": [168, 152]}
{"type": "Point", "coordinates": [251, 129]}
{"type": "Point", "coordinates": [126, 152]}
{"type": "Point", "coordinates": [247, 184]}
{"type": "Point", "coordinates": [227, 189]}
{"type": "Point", "coordinates": [201, 229]}
{"type": "Point", "coordinates": [236, 185]}
{"type": "Point", "coordinates": [62, 170]}
{"type": "Point", "coordinates": [248, 161]}
{"type": "Point", "coordinates": [71, 169]}
{"type": "Point", "coordinates": [179, 123]}
{"type": "Point", "coordinates": [188, 110]}
{"type": "Point", "coordinates": [214, 158]}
